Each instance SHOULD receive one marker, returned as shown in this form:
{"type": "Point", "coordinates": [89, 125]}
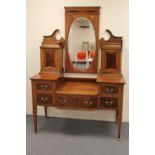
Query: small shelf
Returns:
{"type": "Point", "coordinates": [78, 88]}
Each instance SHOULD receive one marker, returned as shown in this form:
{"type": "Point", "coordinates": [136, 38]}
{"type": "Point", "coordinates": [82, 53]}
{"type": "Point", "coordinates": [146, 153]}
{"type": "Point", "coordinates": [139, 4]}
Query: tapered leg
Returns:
{"type": "Point", "coordinates": [116, 116]}
{"type": "Point", "coordinates": [45, 108]}
{"type": "Point", "coordinates": [119, 123]}
{"type": "Point", "coordinates": [119, 111]}
{"type": "Point", "coordinates": [35, 119]}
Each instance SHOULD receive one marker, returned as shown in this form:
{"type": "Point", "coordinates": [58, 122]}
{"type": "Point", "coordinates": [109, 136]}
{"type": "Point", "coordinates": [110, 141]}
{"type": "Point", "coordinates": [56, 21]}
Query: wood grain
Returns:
{"type": "Point", "coordinates": [77, 88]}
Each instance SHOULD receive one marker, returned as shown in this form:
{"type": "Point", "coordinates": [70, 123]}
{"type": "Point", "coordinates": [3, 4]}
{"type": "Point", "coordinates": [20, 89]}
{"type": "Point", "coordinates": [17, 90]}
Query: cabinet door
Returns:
{"type": "Point", "coordinates": [51, 59]}
{"type": "Point", "coordinates": [110, 61]}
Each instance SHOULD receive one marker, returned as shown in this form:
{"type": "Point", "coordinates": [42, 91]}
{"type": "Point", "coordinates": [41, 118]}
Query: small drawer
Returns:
{"type": "Point", "coordinates": [44, 99]}
{"type": "Point", "coordinates": [108, 102]}
{"type": "Point", "coordinates": [109, 89]}
{"type": "Point", "coordinates": [43, 85]}
{"type": "Point", "coordinates": [76, 101]}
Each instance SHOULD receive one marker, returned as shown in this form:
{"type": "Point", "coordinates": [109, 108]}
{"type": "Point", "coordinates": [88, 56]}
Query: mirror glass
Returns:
{"type": "Point", "coordinates": [81, 43]}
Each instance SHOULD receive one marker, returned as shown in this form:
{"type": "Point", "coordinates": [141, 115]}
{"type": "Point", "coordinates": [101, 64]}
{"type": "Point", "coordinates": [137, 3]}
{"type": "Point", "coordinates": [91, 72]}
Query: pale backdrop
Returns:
{"type": "Point", "coordinates": [44, 16]}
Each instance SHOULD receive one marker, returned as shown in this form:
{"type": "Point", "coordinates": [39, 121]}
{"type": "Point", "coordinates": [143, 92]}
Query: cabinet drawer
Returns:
{"type": "Point", "coordinates": [43, 85]}
{"type": "Point", "coordinates": [108, 102]}
{"type": "Point", "coordinates": [44, 99]}
{"type": "Point", "coordinates": [109, 89]}
{"type": "Point", "coordinates": [76, 101]}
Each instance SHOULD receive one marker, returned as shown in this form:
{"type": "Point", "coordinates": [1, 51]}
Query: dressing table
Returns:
{"type": "Point", "coordinates": [54, 87]}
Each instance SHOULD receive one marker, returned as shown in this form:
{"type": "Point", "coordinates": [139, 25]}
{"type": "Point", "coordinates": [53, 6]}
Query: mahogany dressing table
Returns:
{"type": "Point", "coordinates": [52, 87]}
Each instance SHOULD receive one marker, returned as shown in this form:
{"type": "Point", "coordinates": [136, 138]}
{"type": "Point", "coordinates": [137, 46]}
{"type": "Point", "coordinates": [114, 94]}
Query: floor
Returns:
{"type": "Point", "coordinates": [59, 136]}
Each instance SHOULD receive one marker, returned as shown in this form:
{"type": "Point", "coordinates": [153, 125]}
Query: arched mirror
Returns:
{"type": "Point", "coordinates": [81, 43]}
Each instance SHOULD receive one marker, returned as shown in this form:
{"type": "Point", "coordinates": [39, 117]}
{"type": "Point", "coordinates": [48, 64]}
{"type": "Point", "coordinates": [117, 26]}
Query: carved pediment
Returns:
{"type": "Point", "coordinates": [114, 42]}
{"type": "Point", "coordinates": [51, 41]}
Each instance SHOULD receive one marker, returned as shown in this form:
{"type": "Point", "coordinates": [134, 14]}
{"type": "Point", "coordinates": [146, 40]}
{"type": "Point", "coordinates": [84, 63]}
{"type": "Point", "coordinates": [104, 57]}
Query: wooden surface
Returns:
{"type": "Point", "coordinates": [110, 78]}
{"type": "Point", "coordinates": [77, 88]}
{"type": "Point", "coordinates": [46, 77]}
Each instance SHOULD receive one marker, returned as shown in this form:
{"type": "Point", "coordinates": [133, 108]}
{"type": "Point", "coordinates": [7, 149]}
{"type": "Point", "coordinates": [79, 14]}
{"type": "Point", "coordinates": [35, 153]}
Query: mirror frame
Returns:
{"type": "Point", "coordinates": [71, 14]}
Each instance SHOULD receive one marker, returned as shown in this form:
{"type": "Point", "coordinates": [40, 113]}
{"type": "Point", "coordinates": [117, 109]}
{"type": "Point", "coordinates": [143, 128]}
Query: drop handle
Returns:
{"type": "Point", "coordinates": [109, 90]}
{"type": "Point", "coordinates": [88, 102]}
{"type": "Point", "coordinates": [65, 101]}
{"type": "Point", "coordinates": [60, 100]}
{"type": "Point", "coordinates": [112, 89]}
{"type": "Point", "coordinates": [108, 103]}
{"type": "Point", "coordinates": [44, 86]}
{"type": "Point", "coordinates": [44, 99]}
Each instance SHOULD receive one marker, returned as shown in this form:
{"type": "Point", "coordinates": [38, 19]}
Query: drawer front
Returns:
{"type": "Point", "coordinates": [43, 99]}
{"type": "Point", "coordinates": [87, 102]}
{"type": "Point", "coordinates": [43, 85]}
{"type": "Point", "coordinates": [109, 102]}
{"type": "Point", "coordinates": [109, 89]}
{"type": "Point", "coordinates": [76, 101]}
{"type": "Point", "coordinates": [65, 101]}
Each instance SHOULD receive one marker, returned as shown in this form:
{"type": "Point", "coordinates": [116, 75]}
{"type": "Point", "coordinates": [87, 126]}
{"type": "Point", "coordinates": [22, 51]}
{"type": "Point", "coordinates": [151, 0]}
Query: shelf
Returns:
{"type": "Point", "coordinates": [78, 88]}
{"type": "Point", "coordinates": [46, 77]}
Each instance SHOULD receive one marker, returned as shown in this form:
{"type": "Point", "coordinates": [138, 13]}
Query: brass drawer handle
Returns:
{"type": "Point", "coordinates": [44, 86]}
{"type": "Point", "coordinates": [65, 101]}
{"type": "Point", "coordinates": [44, 98]}
{"type": "Point", "coordinates": [109, 103]}
{"type": "Point", "coordinates": [88, 102]}
{"type": "Point", "coordinates": [60, 100]}
{"type": "Point", "coordinates": [112, 90]}
{"type": "Point", "coordinates": [109, 90]}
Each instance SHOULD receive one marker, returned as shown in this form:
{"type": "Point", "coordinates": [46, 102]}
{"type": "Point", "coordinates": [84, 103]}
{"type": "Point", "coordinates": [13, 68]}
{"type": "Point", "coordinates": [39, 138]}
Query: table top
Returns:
{"type": "Point", "coordinates": [110, 78]}
{"type": "Point", "coordinates": [46, 76]}
{"type": "Point", "coordinates": [78, 88]}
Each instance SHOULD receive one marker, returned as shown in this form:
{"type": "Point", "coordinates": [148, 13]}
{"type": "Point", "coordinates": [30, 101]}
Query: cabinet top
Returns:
{"type": "Point", "coordinates": [111, 78]}
{"type": "Point", "coordinates": [103, 78]}
{"type": "Point", "coordinates": [46, 77]}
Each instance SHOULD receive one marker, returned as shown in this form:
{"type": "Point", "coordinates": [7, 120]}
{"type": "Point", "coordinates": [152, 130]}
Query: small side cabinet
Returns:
{"type": "Point", "coordinates": [111, 54]}
{"type": "Point", "coordinates": [51, 52]}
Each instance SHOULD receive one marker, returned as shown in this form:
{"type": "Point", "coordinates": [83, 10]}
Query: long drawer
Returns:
{"type": "Point", "coordinates": [76, 101]}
